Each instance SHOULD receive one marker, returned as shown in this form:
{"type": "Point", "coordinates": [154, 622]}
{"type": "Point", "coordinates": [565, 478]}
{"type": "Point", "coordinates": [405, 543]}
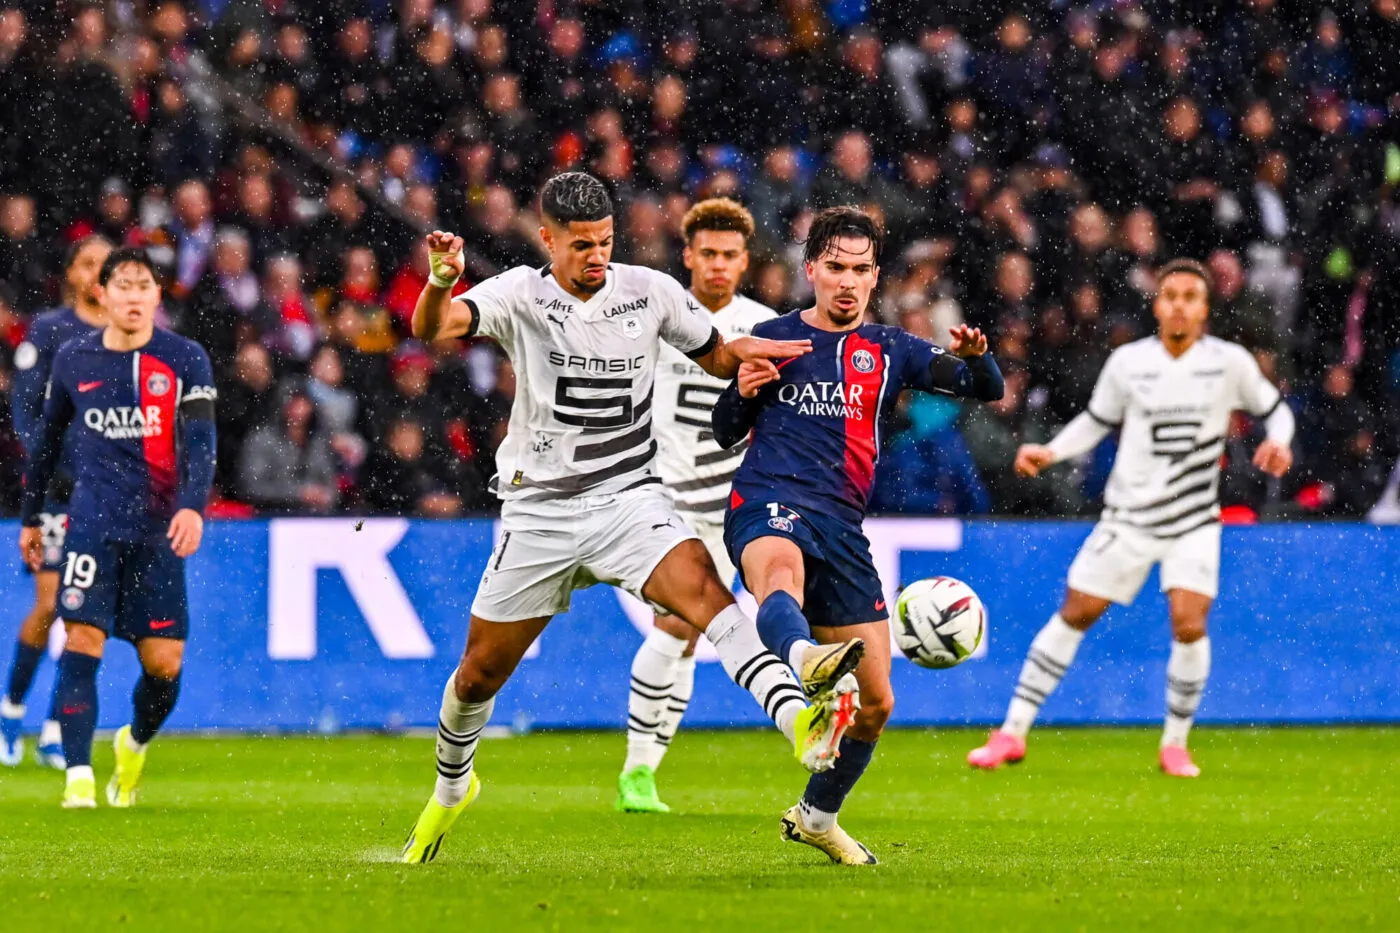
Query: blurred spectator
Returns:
{"type": "Point", "coordinates": [247, 391]}
{"type": "Point", "coordinates": [288, 463]}
{"type": "Point", "coordinates": [403, 481]}
{"type": "Point", "coordinates": [24, 255]}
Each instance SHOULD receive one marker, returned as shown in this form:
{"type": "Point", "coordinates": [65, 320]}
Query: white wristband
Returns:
{"type": "Point", "coordinates": [439, 282]}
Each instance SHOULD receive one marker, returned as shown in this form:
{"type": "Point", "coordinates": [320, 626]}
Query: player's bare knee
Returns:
{"type": "Point", "coordinates": [84, 639]}
{"type": "Point", "coordinates": [874, 713]}
{"type": "Point", "coordinates": [1188, 627]}
{"type": "Point", "coordinates": [164, 667]}
{"type": "Point", "coordinates": [478, 679]}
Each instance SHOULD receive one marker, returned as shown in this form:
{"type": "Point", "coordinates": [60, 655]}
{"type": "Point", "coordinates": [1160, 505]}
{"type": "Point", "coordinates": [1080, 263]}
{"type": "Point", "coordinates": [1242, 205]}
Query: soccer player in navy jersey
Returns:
{"type": "Point", "coordinates": [33, 357]}
{"type": "Point", "coordinates": [141, 403]}
{"type": "Point", "coordinates": [798, 500]}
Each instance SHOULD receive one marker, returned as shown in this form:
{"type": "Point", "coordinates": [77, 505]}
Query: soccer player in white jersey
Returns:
{"type": "Point", "coordinates": [1171, 397]}
{"type": "Point", "coordinates": [697, 471]}
{"type": "Point", "coordinates": [580, 503]}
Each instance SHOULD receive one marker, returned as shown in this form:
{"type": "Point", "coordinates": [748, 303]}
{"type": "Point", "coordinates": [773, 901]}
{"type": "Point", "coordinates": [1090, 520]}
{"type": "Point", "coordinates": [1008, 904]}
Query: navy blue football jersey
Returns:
{"type": "Point", "coordinates": [33, 359]}
{"type": "Point", "coordinates": [816, 431]}
{"type": "Point", "coordinates": [140, 432]}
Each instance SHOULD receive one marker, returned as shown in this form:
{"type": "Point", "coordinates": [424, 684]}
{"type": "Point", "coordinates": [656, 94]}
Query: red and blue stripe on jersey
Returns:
{"type": "Point", "coordinates": [816, 439]}
{"type": "Point", "coordinates": [123, 408]}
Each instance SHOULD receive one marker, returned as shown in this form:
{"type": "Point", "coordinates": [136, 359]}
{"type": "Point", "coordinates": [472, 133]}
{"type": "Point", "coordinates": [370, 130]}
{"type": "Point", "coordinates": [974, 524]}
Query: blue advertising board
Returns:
{"type": "Point", "coordinates": [306, 624]}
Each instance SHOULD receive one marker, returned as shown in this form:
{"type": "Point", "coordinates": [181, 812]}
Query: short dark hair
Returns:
{"type": "Point", "coordinates": [127, 255]}
{"type": "Point", "coordinates": [1190, 267]}
{"type": "Point", "coordinates": [80, 244]}
{"type": "Point", "coordinates": [575, 196]}
{"type": "Point", "coordinates": [834, 222]}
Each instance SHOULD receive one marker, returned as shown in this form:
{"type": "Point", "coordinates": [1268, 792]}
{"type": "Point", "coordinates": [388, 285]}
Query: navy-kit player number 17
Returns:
{"type": "Point", "coordinates": [798, 499]}
{"type": "Point", "coordinates": [140, 401]}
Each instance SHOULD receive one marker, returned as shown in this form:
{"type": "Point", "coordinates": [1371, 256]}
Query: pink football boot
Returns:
{"type": "Point", "coordinates": [1002, 748]}
{"type": "Point", "coordinates": [1177, 762]}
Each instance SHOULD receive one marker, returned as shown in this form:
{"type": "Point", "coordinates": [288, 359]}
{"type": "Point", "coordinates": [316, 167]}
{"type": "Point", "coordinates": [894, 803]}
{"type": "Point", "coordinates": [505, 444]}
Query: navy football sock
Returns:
{"type": "Point", "coordinates": [77, 709]}
{"type": "Point", "coordinates": [153, 699]}
{"type": "Point", "coordinates": [22, 668]}
{"type": "Point", "coordinates": [827, 791]}
{"type": "Point", "coordinates": [781, 623]}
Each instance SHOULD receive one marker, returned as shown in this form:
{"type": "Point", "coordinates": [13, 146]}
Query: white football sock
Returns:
{"type": "Point", "coordinates": [818, 821]}
{"type": "Point", "coordinates": [1050, 655]}
{"type": "Point", "coordinates": [50, 733]}
{"type": "Point", "coordinates": [80, 771]}
{"type": "Point", "coordinates": [681, 690]}
{"type": "Point", "coordinates": [1187, 670]}
{"type": "Point", "coordinates": [795, 653]}
{"type": "Point", "coordinates": [756, 669]}
{"type": "Point", "coordinates": [653, 678]}
{"type": "Point", "coordinates": [459, 730]}
{"type": "Point", "coordinates": [10, 710]}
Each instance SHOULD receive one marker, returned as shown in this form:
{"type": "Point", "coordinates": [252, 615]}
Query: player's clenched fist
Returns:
{"type": "Point", "coordinates": [1273, 458]}
{"type": "Point", "coordinates": [754, 375]}
{"type": "Point", "coordinates": [1032, 458]}
{"type": "Point", "coordinates": [31, 547]}
{"type": "Point", "coordinates": [445, 261]}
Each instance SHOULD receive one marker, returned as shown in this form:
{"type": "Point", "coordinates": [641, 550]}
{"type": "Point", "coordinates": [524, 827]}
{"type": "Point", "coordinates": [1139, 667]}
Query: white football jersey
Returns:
{"type": "Point", "coordinates": [1174, 415]}
{"type": "Point", "coordinates": [581, 420]}
{"type": "Point", "coordinates": [697, 470]}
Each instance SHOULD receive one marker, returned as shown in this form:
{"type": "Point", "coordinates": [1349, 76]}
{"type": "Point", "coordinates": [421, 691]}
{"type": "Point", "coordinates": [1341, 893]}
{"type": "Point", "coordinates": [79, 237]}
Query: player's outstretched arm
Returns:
{"type": "Point", "coordinates": [967, 370]}
{"type": "Point", "coordinates": [724, 360]}
{"type": "Point", "coordinates": [436, 316]}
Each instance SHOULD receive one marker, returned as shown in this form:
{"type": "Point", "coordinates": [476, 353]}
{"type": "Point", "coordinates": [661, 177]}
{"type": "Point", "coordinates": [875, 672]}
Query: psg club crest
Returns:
{"type": "Point", "coordinates": [863, 361]}
{"type": "Point", "coordinates": [778, 523]}
{"type": "Point", "coordinates": [159, 383]}
{"type": "Point", "coordinates": [72, 598]}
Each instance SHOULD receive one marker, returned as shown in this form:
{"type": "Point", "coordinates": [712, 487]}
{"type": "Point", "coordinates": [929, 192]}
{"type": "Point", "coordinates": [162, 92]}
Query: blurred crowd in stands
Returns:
{"type": "Point", "coordinates": [1033, 163]}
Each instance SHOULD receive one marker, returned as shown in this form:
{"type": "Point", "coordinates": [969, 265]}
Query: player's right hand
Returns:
{"type": "Point", "coordinates": [754, 375]}
{"type": "Point", "coordinates": [31, 547]}
{"type": "Point", "coordinates": [759, 348]}
{"type": "Point", "coordinates": [1032, 458]}
{"type": "Point", "coordinates": [445, 260]}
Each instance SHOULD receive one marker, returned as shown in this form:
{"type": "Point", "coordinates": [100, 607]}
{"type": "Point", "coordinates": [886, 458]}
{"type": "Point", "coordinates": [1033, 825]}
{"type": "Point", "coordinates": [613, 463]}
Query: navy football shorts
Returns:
{"type": "Point", "coordinates": [842, 587]}
{"type": "Point", "coordinates": [130, 590]}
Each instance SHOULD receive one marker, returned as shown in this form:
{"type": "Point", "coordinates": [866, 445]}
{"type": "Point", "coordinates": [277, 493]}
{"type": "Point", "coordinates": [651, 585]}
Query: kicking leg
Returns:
{"type": "Point", "coordinates": [813, 820]}
{"type": "Point", "coordinates": [153, 699]}
{"type": "Point", "coordinates": [1050, 655]}
{"type": "Point", "coordinates": [1187, 670]}
{"type": "Point", "coordinates": [33, 640]}
{"type": "Point", "coordinates": [775, 570]}
{"type": "Point", "coordinates": [493, 651]}
{"type": "Point", "coordinates": [663, 673]}
{"type": "Point", "coordinates": [77, 691]}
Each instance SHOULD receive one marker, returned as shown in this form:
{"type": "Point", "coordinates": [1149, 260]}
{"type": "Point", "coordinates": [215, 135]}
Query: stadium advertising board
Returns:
{"type": "Point", "coordinates": [307, 624]}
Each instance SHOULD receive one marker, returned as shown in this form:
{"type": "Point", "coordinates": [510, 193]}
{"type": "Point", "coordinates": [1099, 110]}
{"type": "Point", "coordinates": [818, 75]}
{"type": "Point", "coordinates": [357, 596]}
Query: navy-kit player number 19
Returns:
{"type": "Point", "coordinates": [140, 401]}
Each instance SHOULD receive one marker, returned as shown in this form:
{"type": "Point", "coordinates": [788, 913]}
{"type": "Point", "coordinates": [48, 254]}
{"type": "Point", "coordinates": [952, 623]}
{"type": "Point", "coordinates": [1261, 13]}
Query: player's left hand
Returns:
{"type": "Point", "coordinates": [186, 531]}
{"type": "Point", "coordinates": [754, 375]}
{"type": "Point", "coordinates": [31, 547]}
{"type": "Point", "coordinates": [1273, 458]}
{"type": "Point", "coordinates": [757, 348]}
{"type": "Point", "coordinates": [967, 341]}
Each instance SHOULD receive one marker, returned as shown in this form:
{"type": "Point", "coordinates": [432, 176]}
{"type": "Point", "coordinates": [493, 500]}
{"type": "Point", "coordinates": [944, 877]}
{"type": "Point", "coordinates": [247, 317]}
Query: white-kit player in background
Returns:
{"type": "Point", "coordinates": [698, 472]}
{"type": "Point", "coordinates": [1171, 396]}
{"type": "Point", "coordinates": [580, 503]}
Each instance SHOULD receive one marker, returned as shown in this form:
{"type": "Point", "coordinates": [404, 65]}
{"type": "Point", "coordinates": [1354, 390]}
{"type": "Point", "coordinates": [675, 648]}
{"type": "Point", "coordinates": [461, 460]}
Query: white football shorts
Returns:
{"type": "Point", "coordinates": [551, 547]}
{"type": "Point", "coordinates": [1115, 559]}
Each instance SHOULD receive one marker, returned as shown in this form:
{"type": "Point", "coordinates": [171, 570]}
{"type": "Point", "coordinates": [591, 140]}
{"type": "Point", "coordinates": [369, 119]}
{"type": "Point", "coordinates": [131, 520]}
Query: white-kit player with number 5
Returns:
{"type": "Point", "coordinates": [698, 472]}
{"type": "Point", "coordinates": [580, 501]}
{"type": "Point", "coordinates": [1171, 396]}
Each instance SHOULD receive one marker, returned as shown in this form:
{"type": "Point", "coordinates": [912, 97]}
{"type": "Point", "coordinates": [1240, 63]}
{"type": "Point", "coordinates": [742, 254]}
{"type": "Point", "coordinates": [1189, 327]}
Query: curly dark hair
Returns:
{"type": "Point", "coordinates": [1190, 266]}
{"type": "Point", "coordinates": [573, 196]}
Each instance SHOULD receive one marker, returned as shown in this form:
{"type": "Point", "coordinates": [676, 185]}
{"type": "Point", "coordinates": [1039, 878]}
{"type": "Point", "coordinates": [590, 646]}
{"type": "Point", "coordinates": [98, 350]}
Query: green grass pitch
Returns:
{"type": "Point", "coordinates": [1288, 829]}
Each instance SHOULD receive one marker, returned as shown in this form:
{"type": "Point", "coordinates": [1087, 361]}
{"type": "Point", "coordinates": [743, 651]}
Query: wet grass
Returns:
{"type": "Point", "coordinates": [1288, 829]}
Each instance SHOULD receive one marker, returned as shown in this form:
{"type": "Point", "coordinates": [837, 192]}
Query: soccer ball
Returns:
{"type": "Point", "coordinates": [939, 622]}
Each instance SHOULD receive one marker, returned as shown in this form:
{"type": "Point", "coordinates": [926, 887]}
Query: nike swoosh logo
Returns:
{"type": "Point", "coordinates": [88, 386]}
{"type": "Point", "coordinates": [879, 605]}
{"type": "Point", "coordinates": [162, 624]}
